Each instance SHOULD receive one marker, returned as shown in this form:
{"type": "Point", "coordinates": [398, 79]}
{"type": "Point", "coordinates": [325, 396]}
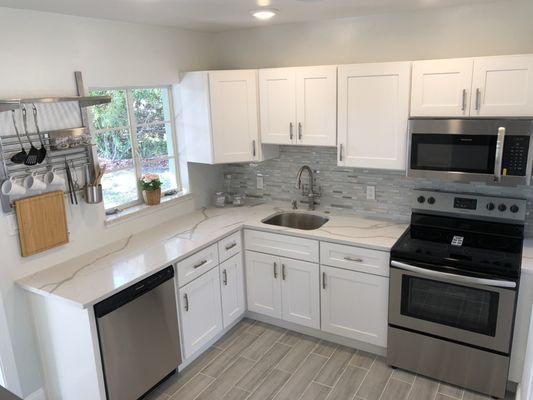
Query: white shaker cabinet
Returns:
{"type": "Point", "coordinates": [373, 110]}
{"type": "Point", "coordinates": [441, 88]}
{"type": "Point", "coordinates": [263, 284]}
{"type": "Point", "coordinates": [200, 310]}
{"type": "Point", "coordinates": [298, 105]}
{"type": "Point", "coordinates": [220, 117]}
{"type": "Point", "coordinates": [355, 305]}
{"type": "Point", "coordinates": [232, 289]}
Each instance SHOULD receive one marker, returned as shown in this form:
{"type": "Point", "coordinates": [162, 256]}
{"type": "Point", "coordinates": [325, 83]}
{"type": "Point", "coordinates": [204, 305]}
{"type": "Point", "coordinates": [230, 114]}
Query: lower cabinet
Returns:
{"type": "Point", "coordinates": [355, 305]}
{"type": "Point", "coordinates": [200, 309]}
{"type": "Point", "coordinates": [232, 289]}
{"type": "Point", "coordinates": [283, 288]}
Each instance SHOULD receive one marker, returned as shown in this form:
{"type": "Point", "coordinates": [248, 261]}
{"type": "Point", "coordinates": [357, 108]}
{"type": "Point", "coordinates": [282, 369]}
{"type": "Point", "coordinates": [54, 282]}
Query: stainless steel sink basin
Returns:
{"type": "Point", "coordinates": [303, 221]}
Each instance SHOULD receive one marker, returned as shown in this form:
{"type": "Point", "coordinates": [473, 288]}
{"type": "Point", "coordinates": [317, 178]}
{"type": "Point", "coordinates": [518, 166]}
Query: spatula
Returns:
{"type": "Point", "coordinates": [21, 156]}
{"type": "Point", "coordinates": [42, 151]}
{"type": "Point", "coordinates": [33, 153]}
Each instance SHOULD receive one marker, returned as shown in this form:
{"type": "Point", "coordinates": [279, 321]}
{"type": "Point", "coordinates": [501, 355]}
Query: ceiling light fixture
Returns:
{"type": "Point", "coordinates": [264, 13]}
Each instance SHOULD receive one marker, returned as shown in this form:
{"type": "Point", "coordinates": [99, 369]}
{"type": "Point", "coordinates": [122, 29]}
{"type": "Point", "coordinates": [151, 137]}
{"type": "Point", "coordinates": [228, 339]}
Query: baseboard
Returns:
{"type": "Point", "coordinates": [37, 395]}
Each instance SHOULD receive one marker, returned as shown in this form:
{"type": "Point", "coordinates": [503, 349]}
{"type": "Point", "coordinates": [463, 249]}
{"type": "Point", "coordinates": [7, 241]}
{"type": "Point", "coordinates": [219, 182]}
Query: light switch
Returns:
{"type": "Point", "coordinates": [371, 193]}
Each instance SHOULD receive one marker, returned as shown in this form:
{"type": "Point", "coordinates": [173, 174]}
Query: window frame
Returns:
{"type": "Point", "coordinates": [132, 128]}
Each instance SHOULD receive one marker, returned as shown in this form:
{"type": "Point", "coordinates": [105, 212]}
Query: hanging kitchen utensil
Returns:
{"type": "Point", "coordinates": [69, 181]}
{"type": "Point", "coordinates": [33, 153]}
{"type": "Point", "coordinates": [21, 156]}
{"type": "Point", "coordinates": [42, 151]}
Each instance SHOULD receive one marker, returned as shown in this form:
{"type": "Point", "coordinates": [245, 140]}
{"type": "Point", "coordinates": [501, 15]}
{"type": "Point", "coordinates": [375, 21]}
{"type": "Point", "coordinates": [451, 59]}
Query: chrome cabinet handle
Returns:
{"type": "Point", "coordinates": [200, 264]}
{"type": "Point", "coordinates": [283, 272]}
{"type": "Point", "coordinates": [463, 106]}
{"type": "Point", "coordinates": [453, 277]}
{"type": "Point", "coordinates": [225, 277]}
{"type": "Point", "coordinates": [478, 98]}
{"type": "Point", "coordinates": [499, 155]}
{"type": "Point", "coordinates": [290, 130]}
{"type": "Point", "coordinates": [299, 130]}
{"type": "Point", "coordinates": [275, 271]}
{"type": "Point", "coordinates": [186, 298]}
{"type": "Point", "coordinates": [231, 246]}
{"type": "Point", "coordinates": [324, 280]}
{"type": "Point", "coordinates": [253, 148]}
{"type": "Point", "coordinates": [340, 152]}
{"type": "Point", "coordinates": [354, 259]}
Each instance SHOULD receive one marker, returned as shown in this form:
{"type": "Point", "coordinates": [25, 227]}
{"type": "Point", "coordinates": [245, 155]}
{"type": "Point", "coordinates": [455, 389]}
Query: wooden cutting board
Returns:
{"type": "Point", "coordinates": [42, 222]}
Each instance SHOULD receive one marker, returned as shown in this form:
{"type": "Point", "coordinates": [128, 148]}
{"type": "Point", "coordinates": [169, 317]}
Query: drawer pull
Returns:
{"type": "Point", "coordinates": [230, 246]}
{"type": "Point", "coordinates": [200, 264]}
{"type": "Point", "coordinates": [275, 271]}
{"type": "Point", "coordinates": [354, 259]}
{"type": "Point", "coordinates": [186, 298]}
{"type": "Point", "coordinates": [324, 280]}
{"type": "Point", "coordinates": [225, 277]}
{"type": "Point", "coordinates": [283, 272]}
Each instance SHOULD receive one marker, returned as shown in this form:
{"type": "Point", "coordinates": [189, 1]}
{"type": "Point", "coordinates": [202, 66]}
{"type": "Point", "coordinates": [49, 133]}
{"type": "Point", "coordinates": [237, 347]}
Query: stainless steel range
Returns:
{"type": "Point", "coordinates": [453, 289]}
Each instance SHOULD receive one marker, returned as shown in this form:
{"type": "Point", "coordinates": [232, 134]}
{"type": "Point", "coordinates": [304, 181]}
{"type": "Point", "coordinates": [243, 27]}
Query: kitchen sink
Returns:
{"type": "Point", "coordinates": [294, 220]}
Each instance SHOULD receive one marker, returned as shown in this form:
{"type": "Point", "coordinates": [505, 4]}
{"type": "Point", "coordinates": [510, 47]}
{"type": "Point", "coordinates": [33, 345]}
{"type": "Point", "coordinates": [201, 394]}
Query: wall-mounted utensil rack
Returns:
{"type": "Point", "coordinates": [77, 157]}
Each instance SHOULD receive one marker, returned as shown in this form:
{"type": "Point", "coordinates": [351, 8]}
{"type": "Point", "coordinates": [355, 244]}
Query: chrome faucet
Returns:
{"type": "Point", "coordinates": [308, 191]}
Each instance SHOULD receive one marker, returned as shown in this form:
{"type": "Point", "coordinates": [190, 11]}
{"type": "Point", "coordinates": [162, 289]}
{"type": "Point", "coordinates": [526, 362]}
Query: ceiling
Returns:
{"type": "Point", "coordinates": [220, 15]}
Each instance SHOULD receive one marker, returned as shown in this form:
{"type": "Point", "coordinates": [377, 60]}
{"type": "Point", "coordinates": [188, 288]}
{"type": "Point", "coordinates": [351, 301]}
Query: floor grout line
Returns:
{"type": "Point", "coordinates": [364, 378]}
{"type": "Point", "coordinates": [386, 384]}
{"type": "Point", "coordinates": [411, 388]}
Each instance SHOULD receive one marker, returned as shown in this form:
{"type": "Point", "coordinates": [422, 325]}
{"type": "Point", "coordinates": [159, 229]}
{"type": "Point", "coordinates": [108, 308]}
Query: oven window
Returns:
{"type": "Point", "coordinates": [459, 153]}
{"type": "Point", "coordinates": [457, 306]}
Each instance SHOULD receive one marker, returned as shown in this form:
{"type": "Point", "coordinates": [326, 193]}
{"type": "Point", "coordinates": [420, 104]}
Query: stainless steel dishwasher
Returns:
{"type": "Point", "coordinates": [138, 332]}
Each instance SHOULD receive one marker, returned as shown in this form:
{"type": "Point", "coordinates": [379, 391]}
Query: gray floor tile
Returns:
{"type": "Point", "coordinates": [263, 367]}
{"type": "Point", "coordinates": [375, 381]}
{"type": "Point", "coordinates": [264, 342]}
{"type": "Point", "coordinates": [271, 385]}
{"type": "Point", "coordinates": [362, 359]}
{"type": "Point", "coordinates": [234, 333]}
{"type": "Point", "coordinates": [450, 390]}
{"type": "Point", "coordinates": [402, 375]}
{"type": "Point", "coordinates": [193, 388]}
{"type": "Point", "coordinates": [297, 354]}
{"type": "Point", "coordinates": [349, 382]}
{"type": "Point", "coordinates": [325, 348]}
{"type": "Point", "coordinates": [291, 338]}
{"type": "Point", "coordinates": [299, 381]}
{"type": "Point", "coordinates": [474, 396]}
{"type": "Point", "coordinates": [236, 394]}
{"type": "Point", "coordinates": [257, 328]}
{"type": "Point", "coordinates": [220, 363]}
{"type": "Point", "coordinates": [334, 366]}
{"type": "Point", "coordinates": [441, 396]}
{"type": "Point", "coordinates": [217, 389]}
{"type": "Point", "coordinates": [423, 389]}
{"type": "Point", "coordinates": [396, 390]}
{"type": "Point", "coordinates": [316, 391]}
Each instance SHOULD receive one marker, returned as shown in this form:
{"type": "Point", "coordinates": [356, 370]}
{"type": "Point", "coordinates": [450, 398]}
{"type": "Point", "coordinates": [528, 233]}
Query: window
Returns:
{"type": "Point", "coordinates": [134, 135]}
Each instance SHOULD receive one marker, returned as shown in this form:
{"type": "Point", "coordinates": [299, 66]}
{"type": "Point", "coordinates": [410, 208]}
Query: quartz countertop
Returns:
{"type": "Point", "coordinates": [92, 277]}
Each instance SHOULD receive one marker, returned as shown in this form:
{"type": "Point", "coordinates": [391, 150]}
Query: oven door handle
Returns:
{"type": "Point", "coordinates": [499, 155]}
{"type": "Point", "coordinates": [453, 277]}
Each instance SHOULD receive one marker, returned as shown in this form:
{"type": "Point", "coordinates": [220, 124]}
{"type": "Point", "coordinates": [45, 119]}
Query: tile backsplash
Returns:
{"type": "Point", "coordinates": [345, 188]}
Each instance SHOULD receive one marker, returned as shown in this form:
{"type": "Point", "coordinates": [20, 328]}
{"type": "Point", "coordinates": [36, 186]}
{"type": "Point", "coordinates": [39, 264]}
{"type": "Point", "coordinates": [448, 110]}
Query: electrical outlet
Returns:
{"type": "Point", "coordinates": [371, 193]}
{"type": "Point", "coordinates": [260, 182]}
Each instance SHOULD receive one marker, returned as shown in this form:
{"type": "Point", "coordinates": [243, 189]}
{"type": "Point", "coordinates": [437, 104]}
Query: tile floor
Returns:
{"type": "Point", "coordinates": [256, 361]}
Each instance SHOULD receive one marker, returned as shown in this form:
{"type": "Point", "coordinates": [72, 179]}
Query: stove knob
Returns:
{"type": "Point", "coordinates": [431, 200]}
{"type": "Point", "coordinates": [514, 209]}
{"type": "Point", "coordinates": [502, 207]}
{"type": "Point", "coordinates": [421, 199]}
{"type": "Point", "coordinates": [490, 206]}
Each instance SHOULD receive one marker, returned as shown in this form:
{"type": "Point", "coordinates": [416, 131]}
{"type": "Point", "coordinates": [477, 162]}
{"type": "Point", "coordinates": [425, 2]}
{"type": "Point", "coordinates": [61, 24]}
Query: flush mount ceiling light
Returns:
{"type": "Point", "coordinates": [264, 13]}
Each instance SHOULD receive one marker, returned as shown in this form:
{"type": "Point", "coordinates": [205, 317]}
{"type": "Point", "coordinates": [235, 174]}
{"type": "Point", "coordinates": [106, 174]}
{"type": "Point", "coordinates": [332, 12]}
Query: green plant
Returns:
{"type": "Point", "coordinates": [150, 182]}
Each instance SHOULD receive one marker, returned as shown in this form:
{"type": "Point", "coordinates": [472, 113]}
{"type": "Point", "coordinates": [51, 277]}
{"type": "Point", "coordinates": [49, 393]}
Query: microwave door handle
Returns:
{"type": "Point", "coordinates": [499, 155]}
{"type": "Point", "coordinates": [453, 277]}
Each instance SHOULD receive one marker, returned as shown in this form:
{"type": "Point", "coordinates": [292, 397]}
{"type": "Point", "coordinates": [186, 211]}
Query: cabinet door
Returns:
{"type": "Point", "coordinates": [201, 314]}
{"type": "Point", "coordinates": [355, 305]}
{"type": "Point", "coordinates": [441, 88]}
{"type": "Point", "coordinates": [316, 106]}
{"type": "Point", "coordinates": [300, 292]}
{"type": "Point", "coordinates": [503, 86]}
{"type": "Point", "coordinates": [263, 284]}
{"type": "Point", "coordinates": [234, 115]}
{"type": "Point", "coordinates": [232, 289]}
{"type": "Point", "coordinates": [277, 94]}
{"type": "Point", "coordinates": [373, 113]}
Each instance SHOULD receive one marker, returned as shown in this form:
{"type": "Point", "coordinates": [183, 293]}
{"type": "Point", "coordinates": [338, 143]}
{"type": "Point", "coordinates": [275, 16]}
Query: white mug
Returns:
{"type": "Point", "coordinates": [12, 188]}
{"type": "Point", "coordinates": [32, 183]}
{"type": "Point", "coordinates": [52, 178]}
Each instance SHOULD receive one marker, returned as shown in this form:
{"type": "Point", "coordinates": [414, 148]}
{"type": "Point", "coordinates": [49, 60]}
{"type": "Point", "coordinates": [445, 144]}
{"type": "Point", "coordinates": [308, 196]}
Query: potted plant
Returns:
{"type": "Point", "coordinates": [151, 188]}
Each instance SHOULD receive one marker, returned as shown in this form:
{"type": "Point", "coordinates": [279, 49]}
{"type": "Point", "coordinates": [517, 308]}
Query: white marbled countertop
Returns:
{"type": "Point", "coordinates": [92, 277]}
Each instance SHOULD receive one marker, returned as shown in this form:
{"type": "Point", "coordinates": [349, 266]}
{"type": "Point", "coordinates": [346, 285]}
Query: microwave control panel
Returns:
{"type": "Point", "coordinates": [515, 153]}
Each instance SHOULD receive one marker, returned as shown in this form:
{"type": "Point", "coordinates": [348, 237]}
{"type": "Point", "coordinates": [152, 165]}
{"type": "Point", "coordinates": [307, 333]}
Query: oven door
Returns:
{"type": "Point", "coordinates": [478, 312]}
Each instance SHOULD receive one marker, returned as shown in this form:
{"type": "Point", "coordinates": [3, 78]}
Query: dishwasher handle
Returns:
{"type": "Point", "coordinates": [134, 291]}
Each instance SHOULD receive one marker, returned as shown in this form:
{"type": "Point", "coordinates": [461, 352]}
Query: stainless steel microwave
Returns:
{"type": "Point", "coordinates": [497, 151]}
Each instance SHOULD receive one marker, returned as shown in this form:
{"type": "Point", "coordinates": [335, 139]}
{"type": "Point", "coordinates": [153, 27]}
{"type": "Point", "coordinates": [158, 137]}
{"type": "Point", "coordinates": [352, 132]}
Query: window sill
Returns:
{"type": "Point", "coordinates": [141, 210]}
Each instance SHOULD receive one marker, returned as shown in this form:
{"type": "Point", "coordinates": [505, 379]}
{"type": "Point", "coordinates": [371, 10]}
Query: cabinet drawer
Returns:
{"type": "Point", "coordinates": [281, 245]}
{"type": "Point", "coordinates": [355, 258]}
{"type": "Point", "coordinates": [195, 265]}
{"type": "Point", "coordinates": [229, 246]}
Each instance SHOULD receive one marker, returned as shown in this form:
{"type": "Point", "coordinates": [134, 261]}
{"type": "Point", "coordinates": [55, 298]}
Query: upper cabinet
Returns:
{"type": "Point", "coordinates": [220, 117]}
{"type": "Point", "coordinates": [373, 104]}
{"type": "Point", "coordinates": [298, 105]}
{"type": "Point", "coordinates": [475, 87]}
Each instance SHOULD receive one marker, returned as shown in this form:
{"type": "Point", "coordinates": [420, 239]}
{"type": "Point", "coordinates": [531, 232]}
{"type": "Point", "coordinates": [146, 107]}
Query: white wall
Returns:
{"type": "Point", "coordinates": [475, 30]}
{"type": "Point", "coordinates": [39, 54]}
